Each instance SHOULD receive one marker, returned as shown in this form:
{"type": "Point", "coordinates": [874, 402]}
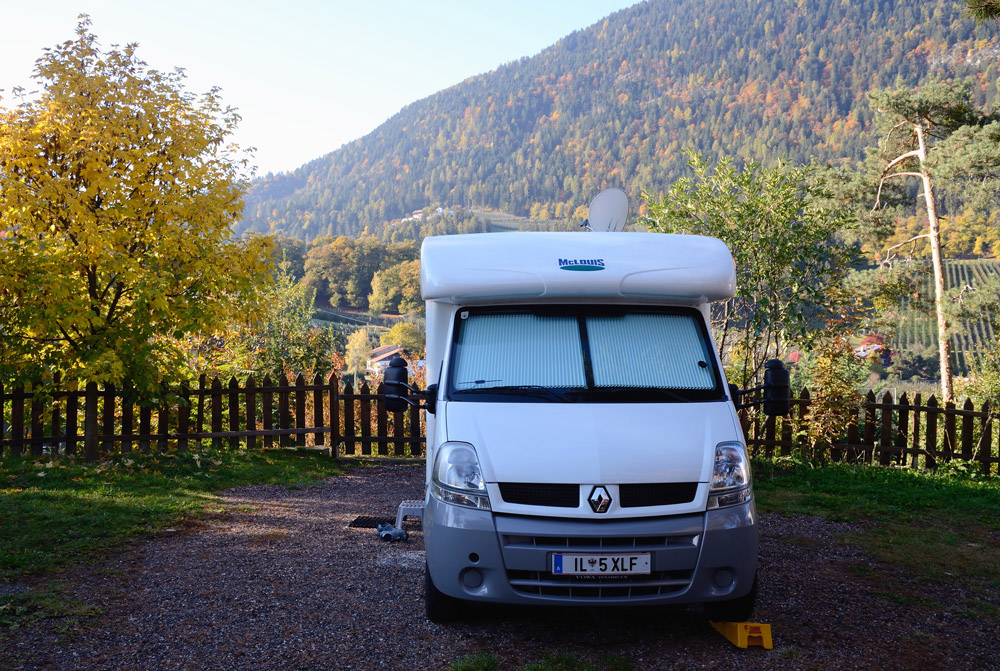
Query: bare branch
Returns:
{"type": "Point", "coordinates": [890, 257]}
{"type": "Point", "coordinates": [881, 183]}
{"type": "Point", "coordinates": [906, 242]}
{"type": "Point", "coordinates": [900, 159]}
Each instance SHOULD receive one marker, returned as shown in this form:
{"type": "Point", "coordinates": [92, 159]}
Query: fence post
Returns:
{"type": "Point", "coordinates": [399, 433]}
{"type": "Point", "coordinates": [284, 413]}
{"type": "Point", "coordinates": [37, 429]}
{"type": "Point", "coordinates": [950, 431]}
{"type": "Point", "coordinates": [366, 419]}
{"type": "Point", "coordinates": [382, 428]}
{"type": "Point", "coordinates": [145, 422]}
{"type": "Point", "coordinates": [183, 417]}
{"type": "Point", "coordinates": [349, 428]}
{"type": "Point", "coordinates": [72, 408]}
{"type": "Point", "coordinates": [90, 422]}
{"type": "Point", "coordinates": [128, 414]}
{"type": "Point", "coordinates": [200, 416]}
{"type": "Point", "coordinates": [234, 412]}
{"type": "Point", "coordinates": [334, 401]}
{"type": "Point", "coordinates": [415, 432]}
{"type": "Point", "coordinates": [108, 419]}
{"type": "Point", "coordinates": [163, 420]}
{"type": "Point", "coordinates": [930, 442]}
{"type": "Point", "coordinates": [216, 409]}
{"type": "Point", "coordinates": [300, 409]}
{"type": "Point", "coordinates": [770, 433]}
{"type": "Point", "coordinates": [786, 439]}
{"type": "Point", "coordinates": [267, 410]}
{"type": "Point", "coordinates": [317, 383]}
{"type": "Point", "coordinates": [850, 453]}
{"type": "Point", "coordinates": [251, 409]}
{"type": "Point", "coordinates": [869, 439]}
{"type": "Point", "coordinates": [17, 421]}
{"type": "Point", "coordinates": [915, 434]}
{"type": "Point", "coordinates": [885, 431]}
{"type": "Point", "coordinates": [56, 423]}
{"type": "Point", "coordinates": [967, 426]}
{"type": "Point", "coordinates": [802, 440]}
{"type": "Point", "coordinates": [902, 429]}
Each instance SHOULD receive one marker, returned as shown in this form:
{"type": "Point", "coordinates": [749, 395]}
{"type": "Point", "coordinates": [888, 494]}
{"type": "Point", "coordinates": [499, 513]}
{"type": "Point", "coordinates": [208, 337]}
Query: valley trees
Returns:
{"type": "Point", "coordinates": [397, 289]}
{"type": "Point", "coordinates": [341, 269]}
{"type": "Point", "coordinates": [277, 336]}
{"type": "Point", "coordinates": [118, 190]}
{"type": "Point", "coordinates": [405, 335]}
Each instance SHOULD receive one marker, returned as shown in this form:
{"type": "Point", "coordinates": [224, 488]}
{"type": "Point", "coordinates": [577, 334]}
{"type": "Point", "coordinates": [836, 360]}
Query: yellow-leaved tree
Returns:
{"type": "Point", "coordinates": [118, 190]}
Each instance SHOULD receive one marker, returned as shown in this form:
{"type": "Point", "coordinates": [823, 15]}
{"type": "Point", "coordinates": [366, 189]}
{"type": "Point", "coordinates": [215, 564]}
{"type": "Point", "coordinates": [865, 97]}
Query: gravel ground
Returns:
{"type": "Point", "coordinates": [279, 581]}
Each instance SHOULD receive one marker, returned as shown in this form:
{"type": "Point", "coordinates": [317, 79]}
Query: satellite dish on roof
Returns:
{"type": "Point", "coordinates": [608, 211]}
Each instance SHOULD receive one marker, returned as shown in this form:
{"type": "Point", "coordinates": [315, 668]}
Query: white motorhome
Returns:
{"type": "Point", "coordinates": [583, 446]}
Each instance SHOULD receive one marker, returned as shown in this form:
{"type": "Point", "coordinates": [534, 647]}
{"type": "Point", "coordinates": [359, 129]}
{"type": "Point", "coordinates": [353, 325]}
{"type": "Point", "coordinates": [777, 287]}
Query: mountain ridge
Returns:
{"type": "Point", "coordinates": [615, 104]}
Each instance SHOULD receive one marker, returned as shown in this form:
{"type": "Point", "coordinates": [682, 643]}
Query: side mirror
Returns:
{"type": "Point", "coordinates": [397, 389]}
{"type": "Point", "coordinates": [397, 385]}
{"type": "Point", "coordinates": [777, 390]}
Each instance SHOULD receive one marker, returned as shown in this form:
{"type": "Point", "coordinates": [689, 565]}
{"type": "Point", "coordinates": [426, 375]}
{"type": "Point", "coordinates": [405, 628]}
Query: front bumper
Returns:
{"type": "Point", "coordinates": [484, 556]}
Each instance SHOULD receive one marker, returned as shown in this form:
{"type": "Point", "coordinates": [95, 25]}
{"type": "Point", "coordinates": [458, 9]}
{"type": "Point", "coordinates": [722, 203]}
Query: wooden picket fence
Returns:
{"type": "Point", "coordinates": [99, 422]}
{"type": "Point", "coordinates": [917, 433]}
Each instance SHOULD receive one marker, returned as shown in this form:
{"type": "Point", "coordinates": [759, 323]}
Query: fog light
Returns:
{"type": "Point", "coordinates": [723, 578]}
{"type": "Point", "coordinates": [472, 578]}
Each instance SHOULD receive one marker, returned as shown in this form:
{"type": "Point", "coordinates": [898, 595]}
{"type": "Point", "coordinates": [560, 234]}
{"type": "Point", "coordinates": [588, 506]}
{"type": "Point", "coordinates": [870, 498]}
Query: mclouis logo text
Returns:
{"type": "Point", "coordinates": [581, 264]}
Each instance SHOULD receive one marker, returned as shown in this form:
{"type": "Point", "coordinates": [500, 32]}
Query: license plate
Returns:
{"type": "Point", "coordinates": [604, 564]}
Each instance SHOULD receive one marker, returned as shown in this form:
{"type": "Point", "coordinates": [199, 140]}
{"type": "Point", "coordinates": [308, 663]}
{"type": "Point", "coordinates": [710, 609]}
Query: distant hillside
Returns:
{"type": "Point", "coordinates": [615, 105]}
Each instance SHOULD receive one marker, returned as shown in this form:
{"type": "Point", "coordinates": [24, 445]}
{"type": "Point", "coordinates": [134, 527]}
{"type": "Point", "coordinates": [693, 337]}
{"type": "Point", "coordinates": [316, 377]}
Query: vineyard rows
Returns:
{"type": "Point", "coordinates": [917, 331]}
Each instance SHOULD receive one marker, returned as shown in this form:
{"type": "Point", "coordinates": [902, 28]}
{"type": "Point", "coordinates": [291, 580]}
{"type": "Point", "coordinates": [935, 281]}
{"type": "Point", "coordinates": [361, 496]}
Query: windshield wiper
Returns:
{"type": "Point", "coordinates": [517, 390]}
{"type": "Point", "coordinates": [645, 393]}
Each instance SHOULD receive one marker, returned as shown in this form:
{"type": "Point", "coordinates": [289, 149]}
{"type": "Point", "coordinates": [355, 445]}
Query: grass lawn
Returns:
{"type": "Point", "coordinates": [942, 527]}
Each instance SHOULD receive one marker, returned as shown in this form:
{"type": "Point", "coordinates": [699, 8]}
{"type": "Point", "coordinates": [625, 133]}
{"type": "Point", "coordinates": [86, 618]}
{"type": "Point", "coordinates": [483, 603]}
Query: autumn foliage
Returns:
{"type": "Point", "coordinates": [118, 192]}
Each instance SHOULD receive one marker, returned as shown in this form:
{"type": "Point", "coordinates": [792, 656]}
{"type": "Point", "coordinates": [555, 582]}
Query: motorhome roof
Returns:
{"type": "Point", "coordinates": [487, 268]}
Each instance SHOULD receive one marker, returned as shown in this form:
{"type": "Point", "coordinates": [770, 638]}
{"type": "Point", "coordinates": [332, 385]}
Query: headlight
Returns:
{"type": "Point", "coordinates": [458, 479]}
{"type": "Point", "coordinates": [730, 477]}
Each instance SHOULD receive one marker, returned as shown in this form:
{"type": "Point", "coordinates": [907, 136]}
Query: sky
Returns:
{"type": "Point", "coordinates": [307, 76]}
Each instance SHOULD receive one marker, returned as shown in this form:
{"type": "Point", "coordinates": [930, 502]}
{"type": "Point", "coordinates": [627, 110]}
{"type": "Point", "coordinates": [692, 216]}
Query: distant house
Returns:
{"type": "Point", "coordinates": [866, 351]}
{"type": "Point", "coordinates": [378, 359]}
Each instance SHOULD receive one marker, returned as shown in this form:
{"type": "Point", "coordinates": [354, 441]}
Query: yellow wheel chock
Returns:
{"type": "Point", "coordinates": [743, 634]}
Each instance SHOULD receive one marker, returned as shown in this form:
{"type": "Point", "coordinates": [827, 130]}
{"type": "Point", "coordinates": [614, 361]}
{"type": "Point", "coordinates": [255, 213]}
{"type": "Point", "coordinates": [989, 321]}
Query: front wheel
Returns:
{"type": "Point", "coordinates": [733, 610]}
{"type": "Point", "coordinates": [439, 606]}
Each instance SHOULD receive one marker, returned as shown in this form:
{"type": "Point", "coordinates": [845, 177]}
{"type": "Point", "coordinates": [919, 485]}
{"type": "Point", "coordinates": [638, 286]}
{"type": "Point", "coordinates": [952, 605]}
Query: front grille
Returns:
{"type": "Point", "coordinates": [537, 494]}
{"type": "Point", "coordinates": [658, 583]}
{"type": "Point", "coordinates": [657, 494]}
{"type": "Point", "coordinates": [545, 584]}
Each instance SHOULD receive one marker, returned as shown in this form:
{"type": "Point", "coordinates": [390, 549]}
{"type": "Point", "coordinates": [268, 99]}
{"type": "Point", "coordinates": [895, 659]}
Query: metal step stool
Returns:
{"type": "Point", "coordinates": [411, 508]}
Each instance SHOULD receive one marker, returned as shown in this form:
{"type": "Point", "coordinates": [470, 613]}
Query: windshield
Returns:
{"type": "Point", "coordinates": [582, 353]}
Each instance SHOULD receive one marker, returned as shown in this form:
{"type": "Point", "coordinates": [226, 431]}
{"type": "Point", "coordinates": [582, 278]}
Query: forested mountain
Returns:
{"type": "Point", "coordinates": [616, 103]}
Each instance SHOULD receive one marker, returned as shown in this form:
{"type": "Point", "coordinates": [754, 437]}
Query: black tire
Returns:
{"type": "Point", "coordinates": [733, 610]}
{"type": "Point", "coordinates": [439, 606]}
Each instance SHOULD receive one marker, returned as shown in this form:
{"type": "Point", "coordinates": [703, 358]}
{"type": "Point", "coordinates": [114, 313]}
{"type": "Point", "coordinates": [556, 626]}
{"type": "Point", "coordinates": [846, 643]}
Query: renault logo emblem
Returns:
{"type": "Point", "coordinates": [599, 499]}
